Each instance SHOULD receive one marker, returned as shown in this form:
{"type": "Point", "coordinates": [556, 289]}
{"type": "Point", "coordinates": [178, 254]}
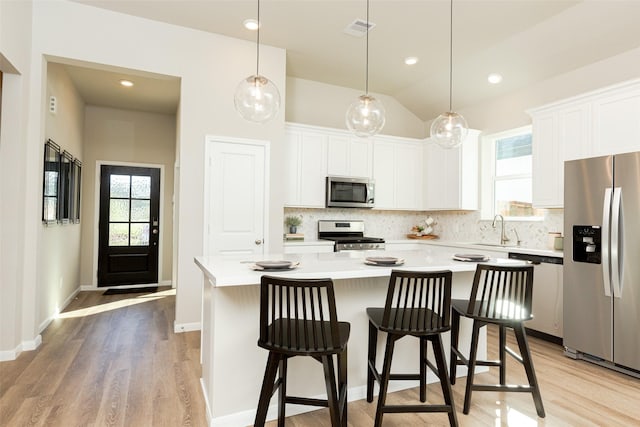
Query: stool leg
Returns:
{"type": "Point", "coordinates": [472, 365]}
{"type": "Point", "coordinates": [528, 367]}
{"type": "Point", "coordinates": [330, 383]}
{"type": "Point", "coordinates": [267, 388]}
{"type": "Point", "coordinates": [455, 332]}
{"type": "Point", "coordinates": [342, 385]}
{"type": "Point", "coordinates": [503, 353]}
{"type": "Point", "coordinates": [282, 393]}
{"type": "Point", "coordinates": [373, 344]}
{"type": "Point", "coordinates": [441, 364]}
{"type": "Point", "coordinates": [384, 380]}
{"type": "Point", "coordinates": [423, 370]}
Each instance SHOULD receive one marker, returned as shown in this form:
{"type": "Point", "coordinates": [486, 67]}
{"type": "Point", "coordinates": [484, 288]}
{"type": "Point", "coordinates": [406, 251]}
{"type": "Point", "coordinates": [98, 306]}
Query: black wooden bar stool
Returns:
{"type": "Point", "coordinates": [418, 305]}
{"type": "Point", "coordinates": [500, 295]}
{"type": "Point", "coordinates": [298, 318]}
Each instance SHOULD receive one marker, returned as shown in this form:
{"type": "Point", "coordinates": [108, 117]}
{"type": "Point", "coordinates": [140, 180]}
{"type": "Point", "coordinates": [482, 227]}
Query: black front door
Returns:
{"type": "Point", "coordinates": [129, 225]}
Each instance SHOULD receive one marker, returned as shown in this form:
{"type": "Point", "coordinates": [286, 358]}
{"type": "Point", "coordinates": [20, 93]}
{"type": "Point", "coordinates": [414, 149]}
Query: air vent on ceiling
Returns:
{"type": "Point", "coordinates": [358, 28]}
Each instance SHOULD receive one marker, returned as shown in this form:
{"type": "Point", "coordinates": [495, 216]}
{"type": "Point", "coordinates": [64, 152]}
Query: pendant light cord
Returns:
{"type": "Point", "coordinates": [366, 78]}
{"type": "Point", "coordinates": [450, 54]}
{"type": "Point", "coordinates": [258, 43]}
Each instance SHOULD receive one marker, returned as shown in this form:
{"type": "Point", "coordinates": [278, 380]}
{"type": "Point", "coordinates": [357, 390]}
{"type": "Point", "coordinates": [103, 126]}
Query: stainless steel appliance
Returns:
{"type": "Point", "coordinates": [348, 236]}
{"type": "Point", "coordinates": [602, 261]}
{"type": "Point", "coordinates": [349, 192]}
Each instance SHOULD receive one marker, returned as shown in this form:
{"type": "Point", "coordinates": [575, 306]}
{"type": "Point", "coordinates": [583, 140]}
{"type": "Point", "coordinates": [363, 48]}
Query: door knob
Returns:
{"type": "Point", "coordinates": [258, 241]}
{"type": "Point", "coordinates": [155, 231]}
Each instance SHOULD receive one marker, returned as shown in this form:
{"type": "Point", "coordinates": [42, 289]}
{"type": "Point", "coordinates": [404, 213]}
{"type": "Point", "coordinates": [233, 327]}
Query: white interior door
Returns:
{"type": "Point", "coordinates": [235, 196]}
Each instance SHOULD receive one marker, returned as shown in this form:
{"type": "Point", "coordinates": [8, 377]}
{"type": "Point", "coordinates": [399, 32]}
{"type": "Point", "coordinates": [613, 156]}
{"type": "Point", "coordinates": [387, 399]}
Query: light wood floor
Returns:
{"type": "Point", "coordinates": [114, 360]}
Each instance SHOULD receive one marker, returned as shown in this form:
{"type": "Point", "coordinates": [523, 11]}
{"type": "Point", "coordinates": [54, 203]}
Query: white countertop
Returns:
{"type": "Point", "coordinates": [488, 247]}
{"type": "Point", "coordinates": [234, 270]}
{"type": "Point", "coordinates": [308, 242]}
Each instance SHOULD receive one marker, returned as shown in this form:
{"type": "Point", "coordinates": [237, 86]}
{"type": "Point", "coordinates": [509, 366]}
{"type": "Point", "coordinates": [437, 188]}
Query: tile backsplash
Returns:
{"type": "Point", "coordinates": [458, 226]}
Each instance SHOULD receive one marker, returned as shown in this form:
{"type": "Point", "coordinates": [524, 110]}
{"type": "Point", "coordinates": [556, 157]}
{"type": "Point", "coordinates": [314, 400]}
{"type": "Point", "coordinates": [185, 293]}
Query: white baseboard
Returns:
{"type": "Point", "coordinates": [23, 346]}
{"type": "Point", "coordinates": [246, 418]}
{"type": "Point", "coordinates": [186, 327]}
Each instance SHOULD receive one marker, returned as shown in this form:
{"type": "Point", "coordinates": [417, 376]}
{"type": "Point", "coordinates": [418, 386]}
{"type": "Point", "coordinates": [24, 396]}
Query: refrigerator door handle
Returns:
{"type": "Point", "coordinates": [606, 217]}
{"type": "Point", "coordinates": [615, 248]}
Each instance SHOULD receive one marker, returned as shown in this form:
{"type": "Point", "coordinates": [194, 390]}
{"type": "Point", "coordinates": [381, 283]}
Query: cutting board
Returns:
{"type": "Point", "coordinates": [426, 237]}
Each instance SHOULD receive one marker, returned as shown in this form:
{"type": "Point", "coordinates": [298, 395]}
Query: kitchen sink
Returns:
{"type": "Point", "coordinates": [498, 245]}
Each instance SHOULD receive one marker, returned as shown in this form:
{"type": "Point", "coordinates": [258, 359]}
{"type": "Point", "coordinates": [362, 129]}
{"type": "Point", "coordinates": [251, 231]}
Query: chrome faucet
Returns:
{"type": "Point", "coordinates": [503, 237]}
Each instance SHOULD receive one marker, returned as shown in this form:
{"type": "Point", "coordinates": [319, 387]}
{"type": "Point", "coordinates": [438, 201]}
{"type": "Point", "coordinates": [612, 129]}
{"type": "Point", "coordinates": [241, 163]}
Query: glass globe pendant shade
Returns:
{"type": "Point", "coordinates": [365, 116]}
{"type": "Point", "coordinates": [449, 130]}
{"type": "Point", "coordinates": [257, 99]}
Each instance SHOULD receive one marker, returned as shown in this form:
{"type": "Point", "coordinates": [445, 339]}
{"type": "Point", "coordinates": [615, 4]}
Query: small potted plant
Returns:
{"type": "Point", "coordinates": [293, 222]}
{"type": "Point", "coordinates": [417, 230]}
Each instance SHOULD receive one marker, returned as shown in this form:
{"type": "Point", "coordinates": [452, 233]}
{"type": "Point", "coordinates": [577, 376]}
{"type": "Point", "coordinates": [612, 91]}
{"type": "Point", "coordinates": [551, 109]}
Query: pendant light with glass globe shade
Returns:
{"type": "Point", "coordinates": [257, 98]}
{"type": "Point", "coordinates": [365, 116]}
{"type": "Point", "coordinates": [449, 129]}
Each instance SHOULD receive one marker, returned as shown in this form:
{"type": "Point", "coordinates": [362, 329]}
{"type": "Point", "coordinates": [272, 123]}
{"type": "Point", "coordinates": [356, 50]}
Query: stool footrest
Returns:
{"type": "Point", "coordinates": [306, 401]}
{"type": "Point", "coordinates": [404, 377]}
{"type": "Point", "coordinates": [415, 408]}
{"type": "Point", "coordinates": [498, 387]}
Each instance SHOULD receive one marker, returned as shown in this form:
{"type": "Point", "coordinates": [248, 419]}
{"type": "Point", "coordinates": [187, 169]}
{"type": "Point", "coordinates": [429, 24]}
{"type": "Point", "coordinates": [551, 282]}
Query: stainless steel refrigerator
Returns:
{"type": "Point", "coordinates": [602, 261]}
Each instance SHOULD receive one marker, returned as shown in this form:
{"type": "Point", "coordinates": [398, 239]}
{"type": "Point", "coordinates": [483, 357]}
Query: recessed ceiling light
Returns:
{"type": "Point", "coordinates": [411, 60]}
{"type": "Point", "coordinates": [494, 78]}
{"type": "Point", "coordinates": [126, 83]}
{"type": "Point", "coordinates": [250, 24]}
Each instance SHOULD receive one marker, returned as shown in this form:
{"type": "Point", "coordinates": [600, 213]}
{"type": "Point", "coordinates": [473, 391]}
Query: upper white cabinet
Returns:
{"type": "Point", "coordinates": [451, 175]}
{"type": "Point", "coordinates": [603, 122]}
{"type": "Point", "coordinates": [306, 167]}
{"type": "Point", "coordinates": [349, 156]}
{"type": "Point", "coordinates": [616, 121]}
{"type": "Point", "coordinates": [397, 166]}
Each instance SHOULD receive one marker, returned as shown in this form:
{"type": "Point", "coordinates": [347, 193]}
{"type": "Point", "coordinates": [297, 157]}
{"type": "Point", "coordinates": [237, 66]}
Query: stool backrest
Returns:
{"type": "Point", "coordinates": [298, 314]}
{"type": "Point", "coordinates": [502, 292]}
{"type": "Point", "coordinates": [418, 302]}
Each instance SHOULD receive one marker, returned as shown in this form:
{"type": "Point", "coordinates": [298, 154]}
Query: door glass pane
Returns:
{"type": "Point", "coordinates": [139, 234]}
{"type": "Point", "coordinates": [140, 210]}
{"type": "Point", "coordinates": [118, 234]}
{"type": "Point", "coordinates": [119, 186]}
{"type": "Point", "coordinates": [50, 208]}
{"type": "Point", "coordinates": [118, 210]}
{"type": "Point", "coordinates": [140, 187]}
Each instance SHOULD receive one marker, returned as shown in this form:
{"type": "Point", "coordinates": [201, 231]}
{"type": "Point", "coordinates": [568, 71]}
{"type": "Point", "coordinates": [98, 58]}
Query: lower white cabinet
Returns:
{"type": "Point", "coordinates": [451, 176]}
{"type": "Point", "coordinates": [547, 300]}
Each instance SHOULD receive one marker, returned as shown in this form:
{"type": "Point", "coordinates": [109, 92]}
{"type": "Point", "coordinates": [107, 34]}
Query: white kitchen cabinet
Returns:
{"type": "Point", "coordinates": [306, 168]}
{"type": "Point", "coordinates": [349, 156]}
{"type": "Point", "coordinates": [616, 121]}
{"type": "Point", "coordinates": [598, 123]}
{"type": "Point", "coordinates": [451, 176]}
{"type": "Point", "coordinates": [397, 164]}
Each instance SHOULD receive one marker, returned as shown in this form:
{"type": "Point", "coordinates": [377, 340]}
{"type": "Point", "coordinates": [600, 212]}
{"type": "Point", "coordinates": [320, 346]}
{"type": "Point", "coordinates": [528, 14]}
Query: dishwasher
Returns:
{"type": "Point", "coordinates": [547, 296]}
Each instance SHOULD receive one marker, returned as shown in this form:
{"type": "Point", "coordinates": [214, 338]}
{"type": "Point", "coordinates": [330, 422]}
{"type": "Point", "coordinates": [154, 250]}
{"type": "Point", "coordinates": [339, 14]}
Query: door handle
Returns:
{"type": "Point", "coordinates": [258, 242]}
{"type": "Point", "coordinates": [154, 231]}
{"type": "Point", "coordinates": [615, 249]}
{"type": "Point", "coordinates": [606, 220]}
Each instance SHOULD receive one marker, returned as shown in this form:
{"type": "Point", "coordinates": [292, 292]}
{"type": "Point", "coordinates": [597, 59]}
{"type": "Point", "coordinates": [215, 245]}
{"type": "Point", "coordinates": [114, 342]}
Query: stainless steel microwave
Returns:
{"type": "Point", "coordinates": [348, 192]}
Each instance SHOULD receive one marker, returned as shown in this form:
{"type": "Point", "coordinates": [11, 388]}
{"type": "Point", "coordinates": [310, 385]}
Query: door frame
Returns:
{"type": "Point", "coordinates": [209, 142]}
{"type": "Point", "coordinates": [96, 219]}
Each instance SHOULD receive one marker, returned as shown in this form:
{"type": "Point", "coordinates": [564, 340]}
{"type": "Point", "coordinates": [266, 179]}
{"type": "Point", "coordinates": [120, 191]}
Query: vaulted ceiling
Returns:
{"type": "Point", "coordinates": [526, 41]}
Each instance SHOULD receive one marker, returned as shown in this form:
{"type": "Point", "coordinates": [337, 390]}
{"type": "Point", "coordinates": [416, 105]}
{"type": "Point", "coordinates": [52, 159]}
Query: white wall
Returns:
{"type": "Point", "coordinates": [59, 244]}
{"type": "Point", "coordinates": [126, 136]}
{"type": "Point", "coordinates": [209, 66]}
{"type": "Point", "coordinates": [15, 50]}
{"type": "Point", "coordinates": [314, 103]}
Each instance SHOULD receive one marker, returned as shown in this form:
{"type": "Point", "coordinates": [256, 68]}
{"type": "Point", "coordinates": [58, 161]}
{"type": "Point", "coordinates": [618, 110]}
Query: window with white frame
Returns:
{"type": "Point", "coordinates": [506, 175]}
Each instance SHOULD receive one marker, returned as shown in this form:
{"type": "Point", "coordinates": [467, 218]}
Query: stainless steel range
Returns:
{"type": "Point", "coordinates": [348, 236]}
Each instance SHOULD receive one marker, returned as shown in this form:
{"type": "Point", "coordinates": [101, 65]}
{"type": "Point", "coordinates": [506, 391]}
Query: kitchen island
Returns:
{"type": "Point", "coordinates": [233, 364]}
